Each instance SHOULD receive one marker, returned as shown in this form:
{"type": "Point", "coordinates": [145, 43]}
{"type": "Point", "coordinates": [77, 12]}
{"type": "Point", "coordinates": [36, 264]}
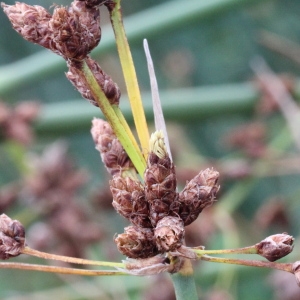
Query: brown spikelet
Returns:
{"type": "Point", "coordinates": [112, 153]}
{"type": "Point", "coordinates": [12, 237]}
{"type": "Point", "coordinates": [198, 193]}
{"type": "Point", "coordinates": [32, 22]}
{"type": "Point", "coordinates": [129, 200]}
{"type": "Point", "coordinates": [76, 31]}
{"type": "Point", "coordinates": [160, 181]}
{"type": "Point", "coordinates": [169, 233]}
{"type": "Point", "coordinates": [108, 86]}
{"type": "Point", "coordinates": [136, 242]}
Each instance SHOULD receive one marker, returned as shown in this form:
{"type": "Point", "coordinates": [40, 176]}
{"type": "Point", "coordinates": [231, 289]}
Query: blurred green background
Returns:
{"type": "Point", "coordinates": [202, 52]}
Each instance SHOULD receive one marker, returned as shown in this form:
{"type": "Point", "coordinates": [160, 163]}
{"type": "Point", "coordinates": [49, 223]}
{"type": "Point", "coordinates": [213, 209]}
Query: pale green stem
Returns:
{"type": "Point", "coordinates": [27, 250]}
{"type": "Point", "coordinates": [184, 282]}
{"type": "Point", "coordinates": [250, 263]}
{"type": "Point", "coordinates": [129, 75]}
{"type": "Point", "coordinates": [245, 250]}
{"type": "Point", "coordinates": [117, 125]}
{"type": "Point", "coordinates": [58, 270]}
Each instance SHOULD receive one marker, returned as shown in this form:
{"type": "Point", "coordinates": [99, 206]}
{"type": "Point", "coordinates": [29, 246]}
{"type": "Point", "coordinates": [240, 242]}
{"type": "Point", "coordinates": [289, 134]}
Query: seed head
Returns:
{"type": "Point", "coordinates": [160, 181]}
{"type": "Point", "coordinates": [169, 233]}
{"type": "Point", "coordinates": [129, 200]}
{"type": "Point", "coordinates": [12, 237]}
{"type": "Point", "coordinates": [112, 153]}
{"type": "Point", "coordinates": [136, 242]}
{"type": "Point", "coordinates": [108, 86]}
{"type": "Point", "coordinates": [275, 246]}
{"type": "Point", "coordinates": [198, 193]}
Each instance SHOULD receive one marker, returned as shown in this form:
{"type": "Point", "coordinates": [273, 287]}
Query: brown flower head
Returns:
{"type": "Point", "coordinates": [12, 237]}
{"type": "Point", "coordinates": [160, 181]}
{"type": "Point", "coordinates": [198, 193]}
{"type": "Point", "coordinates": [275, 246]}
{"type": "Point", "coordinates": [112, 153]}
{"type": "Point", "coordinates": [32, 22]}
{"type": "Point", "coordinates": [169, 233]}
{"type": "Point", "coordinates": [136, 242]}
{"type": "Point", "coordinates": [129, 200]}
{"type": "Point", "coordinates": [76, 31]}
{"type": "Point", "coordinates": [108, 86]}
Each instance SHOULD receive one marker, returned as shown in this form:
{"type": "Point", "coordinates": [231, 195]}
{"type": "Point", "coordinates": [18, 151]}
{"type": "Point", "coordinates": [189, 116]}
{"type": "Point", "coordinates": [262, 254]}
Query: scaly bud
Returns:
{"type": "Point", "coordinates": [12, 237]}
{"type": "Point", "coordinates": [32, 22]}
{"type": "Point", "coordinates": [160, 181]}
{"type": "Point", "coordinates": [112, 153]}
{"type": "Point", "coordinates": [108, 86]}
{"type": "Point", "coordinates": [169, 233]}
{"type": "Point", "coordinates": [136, 242]}
{"type": "Point", "coordinates": [296, 271]}
{"type": "Point", "coordinates": [275, 246]}
{"type": "Point", "coordinates": [198, 193]}
{"type": "Point", "coordinates": [129, 200]}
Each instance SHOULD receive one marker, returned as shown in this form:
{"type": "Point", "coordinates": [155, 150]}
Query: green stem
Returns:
{"type": "Point", "coordinates": [250, 263]}
{"type": "Point", "coordinates": [184, 282]}
{"type": "Point", "coordinates": [27, 250]}
{"type": "Point", "coordinates": [59, 270]}
{"type": "Point", "coordinates": [117, 125]}
{"type": "Point", "coordinates": [129, 74]}
{"type": "Point", "coordinates": [245, 250]}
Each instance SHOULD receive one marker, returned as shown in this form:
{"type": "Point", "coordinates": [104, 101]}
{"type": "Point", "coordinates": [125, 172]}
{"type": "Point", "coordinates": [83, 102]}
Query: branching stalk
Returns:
{"type": "Point", "coordinates": [129, 74]}
{"type": "Point", "coordinates": [74, 260]}
{"type": "Point", "coordinates": [117, 125]}
{"type": "Point", "coordinates": [59, 270]}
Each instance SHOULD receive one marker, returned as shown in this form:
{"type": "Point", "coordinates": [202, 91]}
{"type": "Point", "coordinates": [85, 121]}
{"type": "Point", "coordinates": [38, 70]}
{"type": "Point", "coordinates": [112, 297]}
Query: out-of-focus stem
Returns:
{"type": "Point", "coordinates": [74, 260]}
{"type": "Point", "coordinates": [130, 147]}
{"type": "Point", "coordinates": [129, 75]}
{"type": "Point", "coordinates": [58, 270]}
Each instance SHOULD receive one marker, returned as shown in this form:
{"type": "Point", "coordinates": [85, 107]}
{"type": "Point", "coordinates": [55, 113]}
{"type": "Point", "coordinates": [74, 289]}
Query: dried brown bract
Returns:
{"type": "Point", "coordinates": [198, 193]}
{"type": "Point", "coordinates": [12, 237]}
{"type": "Point", "coordinates": [275, 246]}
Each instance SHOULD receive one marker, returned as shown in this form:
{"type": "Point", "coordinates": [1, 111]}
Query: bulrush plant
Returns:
{"type": "Point", "coordinates": [143, 184]}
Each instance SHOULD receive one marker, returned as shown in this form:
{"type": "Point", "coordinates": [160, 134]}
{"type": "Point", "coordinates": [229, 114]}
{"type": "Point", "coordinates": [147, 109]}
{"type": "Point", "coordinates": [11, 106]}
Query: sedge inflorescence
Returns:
{"type": "Point", "coordinates": [157, 211]}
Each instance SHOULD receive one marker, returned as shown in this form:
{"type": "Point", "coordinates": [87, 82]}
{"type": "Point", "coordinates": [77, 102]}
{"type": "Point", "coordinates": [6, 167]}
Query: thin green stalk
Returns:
{"type": "Point", "coordinates": [245, 250]}
{"type": "Point", "coordinates": [129, 75]}
{"type": "Point", "coordinates": [74, 260]}
{"type": "Point", "coordinates": [184, 282]}
{"type": "Point", "coordinates": [59, 270]}
{"type": "Point", "coordinates": [117, 125]}
{"type": "Point", "coordinates": [250, 263]}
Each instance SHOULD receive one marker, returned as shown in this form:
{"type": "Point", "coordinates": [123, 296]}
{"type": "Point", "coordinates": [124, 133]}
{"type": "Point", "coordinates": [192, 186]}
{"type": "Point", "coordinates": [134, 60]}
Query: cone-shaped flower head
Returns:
{"type": "Point", "coordinates": [160, 181]}
{"type": "Point", "coordinates": [12, 237]}
{"type": "Point", "coordinates": [108, 86]}
{"type": "Point", "coordinates": [275, 246]}
{"type": "Point", "coordinates": [169, 233]}
{"type": "Point", "coordinates": [112, 153]}
{"type": "Point", "coordinates": [198, 193]}
{"type": "Point", "coordinates": [136, 242]}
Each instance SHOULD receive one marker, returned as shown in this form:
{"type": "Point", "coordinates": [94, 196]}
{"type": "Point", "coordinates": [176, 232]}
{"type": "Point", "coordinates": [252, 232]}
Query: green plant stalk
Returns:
{"type": "Point", "coordinates": [117, 125]}
{"type": "Point", "coordinates": [74, 260]}
{"type": "Point", "coordinates": [59, 270]}
{"type": "Point", "coordinates": [184, 282]}
{"type": "Point", "coordinates": [245, 250]}
{"type": "Point", "coordinates": [129, 74]}
{"type": "Point", "coordinates": [250, 263]}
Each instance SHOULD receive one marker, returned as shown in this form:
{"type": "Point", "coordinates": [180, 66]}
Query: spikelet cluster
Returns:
{"type": "Point", "coordinates": [157, 212]}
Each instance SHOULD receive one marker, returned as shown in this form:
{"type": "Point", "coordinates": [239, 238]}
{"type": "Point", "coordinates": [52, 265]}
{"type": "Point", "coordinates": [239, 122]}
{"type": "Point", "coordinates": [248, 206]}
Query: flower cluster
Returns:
{"type": "Point", "coordinates": [157, 212]}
